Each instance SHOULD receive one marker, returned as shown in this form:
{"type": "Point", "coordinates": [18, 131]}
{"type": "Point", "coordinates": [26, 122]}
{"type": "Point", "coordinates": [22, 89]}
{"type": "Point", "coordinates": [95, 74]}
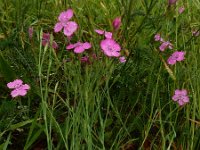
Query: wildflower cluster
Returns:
{"type": "Point", "coordinates": [180, 96]}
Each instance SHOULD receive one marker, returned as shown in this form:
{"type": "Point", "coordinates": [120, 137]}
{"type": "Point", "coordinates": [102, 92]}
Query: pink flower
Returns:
{"type": "Point", "coordinates": [46, 40]}
{"type": "Point", "coordinates": [79, 47]}
{"type": "Point", "coordinates": [30, 32]}
{"type": "Point", "coordinates": [122, 59]}
{"type": "Point", "coordinates": [116, 23]}
{"type": "Point", "coordinates": [181, 10]}
{"type": "Point", "coordinates": [69, 26]}
{"type": "Point", "coordinates": [171, 2]}
{"type": "Point", "coordinates": [108, 35]}
{"type": "Point", "coordinates": [181, 97]}
{"type": "Point", "coordinates": [19, 89]}
{"type": "Point", "coordinates": [165, 45]}
{"type": "Point", "coordinates": [176, 56]}
{"type": "Point", "coordinates": [195, 33]}
{"type": "Point", "coordinates": [157, 37]}
{"type": "Point", "coordinates": [110, 48]}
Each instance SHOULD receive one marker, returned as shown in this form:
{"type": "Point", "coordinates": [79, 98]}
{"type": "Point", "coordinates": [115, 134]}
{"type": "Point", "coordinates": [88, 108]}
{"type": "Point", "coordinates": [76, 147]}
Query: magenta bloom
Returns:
{"type": "Point", "coordinates": [107, 35]}
{"type": "Point", "coordinates": [19, 89]}
{"type": "Point", "coordinates": [46, 40]}
{"type": "Point", "coordinates": [181, 10]}
{"type": "Point", "coordinates": [69, 26]}
{"type": "Point", "coordinates": [116, 23]}
{"type": "Point", "coordinates": [171, 2]}
{"type": "Point", "coordinates": [122, 59]}
{"type": "Point", "coordinates": [165, 45]}
{"type": "Point", "coordinates": [181, 97]}
{"type": "Point", "coordinates": [79, 47]}
{"type": "Point", "coordinates": [110, 48]}
{"type": "Point", "coordinates": [176, 56]}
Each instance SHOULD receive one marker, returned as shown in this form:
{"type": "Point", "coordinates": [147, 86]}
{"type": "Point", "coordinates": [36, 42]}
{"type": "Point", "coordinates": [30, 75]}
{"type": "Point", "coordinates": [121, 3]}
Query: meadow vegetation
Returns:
{"type": "Point", "coordinates": [99, 74]}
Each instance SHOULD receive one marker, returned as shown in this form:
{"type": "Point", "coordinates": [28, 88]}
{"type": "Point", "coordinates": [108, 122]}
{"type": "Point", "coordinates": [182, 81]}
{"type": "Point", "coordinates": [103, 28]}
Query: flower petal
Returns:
{"type": "Point", "coordinates": [70, 28]}
{"type": "Point", "coordinates": [175, 97]}
{"type": "Point", "coordinates": [86, 45]}
{"type": "Point", "coordinates": [79, 49]}
{"type": "Point", "coordinates": [18, 92]}
{"type": "Point", "coordinates": [100, 32]}
{"type": "Point", "coordinates": [181, 103]}
{"type": "Point", "coordinates": [115, 54]}
{"type": "Point", "coordinates": [70, 46]}
{"type": "Point", "coordinates": [24, 87]}
{"type": "Point", "coordinates": [15, 84]}
{"type": "Point", "coordinates": [58, 27]}
{"type": "Point", "coordinates": [66, 15]}
{"type": "Point", "coordinates": [108, 35]}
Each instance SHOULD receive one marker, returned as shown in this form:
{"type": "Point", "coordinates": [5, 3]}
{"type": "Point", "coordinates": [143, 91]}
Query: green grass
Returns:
{"type": "Point", "coordinates": [105, 104]}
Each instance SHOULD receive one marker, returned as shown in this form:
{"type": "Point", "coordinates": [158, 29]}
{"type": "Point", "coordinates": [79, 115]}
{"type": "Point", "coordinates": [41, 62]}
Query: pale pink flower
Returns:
{"type": "Point", "coordinates": [165, 45]}
{"type": "Point", "coordinates": [181, 10]}
{"type": "Point", "coordinates": [107, 35]}
{"type": "Point", "coordinates": [181, 97]}
{"type": "Point", "coordinates": [122, 59]}
{"type": "Point", "coordinates": [46, 40]}
{"type": "Point", "coordinates": [176, 56]}
{"type": "Point", "coordinates": [69, 26]}
{"type": "Point", "coordinates": [110, 48]}
{"type": "Point", "coordinates": [79, 47]}
{"type": "Point", "coordinates": [30, 32]}
{"type": "Point", "coordinates": [19, 89]}
{"type": "Point", "coordinates": [116, 23]}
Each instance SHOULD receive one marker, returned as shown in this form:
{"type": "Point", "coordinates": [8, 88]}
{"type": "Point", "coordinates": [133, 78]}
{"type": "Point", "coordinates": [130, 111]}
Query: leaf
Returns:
{"type": "Point", "coordinates": [20, 124]}
{"type": "Point", "coordinates": [5, 145]}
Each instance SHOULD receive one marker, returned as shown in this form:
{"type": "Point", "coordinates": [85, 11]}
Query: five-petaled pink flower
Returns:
{"type": "Point", "coordinates": [165, 45]}
{"type": "Point", "coordinates": [46, 40]}
{"type": "Point", "coordinates": [19, 89]}
{"type": "Point", "coordinates": [69, 26]}
{"type": "Point", "coordinates": [79, 47]}
{"type": "Point", "coordinates": [176, 56]}
{"type": "Point", "coordinates": [116, 23]}
{"type": "Point", "coordinates": [122, 59]}
{"type": "Point", "coordinates": [108, 35]}
{"type": "Point", "coordinates": [181, 97]}
{"type": "Point", "coordinates": [110, 48]}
